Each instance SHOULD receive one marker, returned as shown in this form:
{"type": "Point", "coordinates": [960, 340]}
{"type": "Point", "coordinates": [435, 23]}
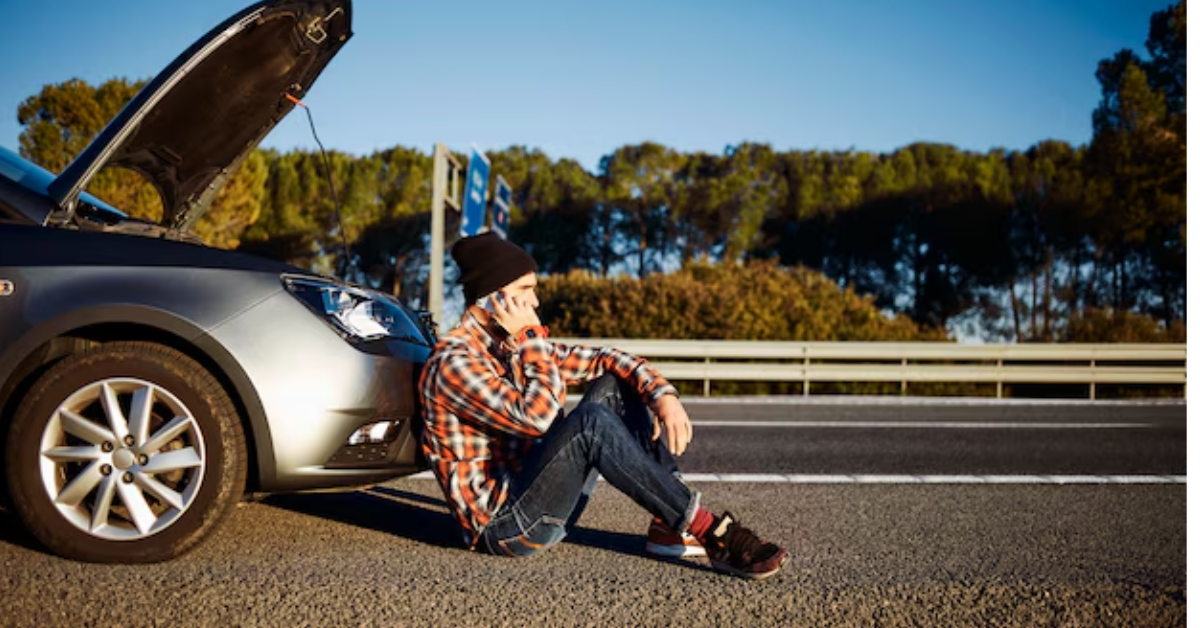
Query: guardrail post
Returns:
{"type": "Point", "coordinates": [804, 350]}
{"type": "Point", "coordinates": [1000, 381]}
{"type": "Point", "coordinates": [1092, 384]}
{"type": "Point", "coordinates": [903, 382]}
{"type": "Point", "coordinates": [707, 361]}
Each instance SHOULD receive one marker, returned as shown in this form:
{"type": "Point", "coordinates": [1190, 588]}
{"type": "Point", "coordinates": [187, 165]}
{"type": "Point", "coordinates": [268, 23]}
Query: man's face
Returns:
{"type": "Point", "coordinates": [523, 289]}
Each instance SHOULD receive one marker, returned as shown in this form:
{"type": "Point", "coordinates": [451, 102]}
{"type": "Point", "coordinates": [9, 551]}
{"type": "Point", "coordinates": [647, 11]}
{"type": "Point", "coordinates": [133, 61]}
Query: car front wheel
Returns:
{"type": "Point", "coordinates": [128, 452]}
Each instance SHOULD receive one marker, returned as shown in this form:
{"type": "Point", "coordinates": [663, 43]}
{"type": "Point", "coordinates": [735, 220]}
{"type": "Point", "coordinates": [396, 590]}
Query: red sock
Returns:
{"type": "Point", "coordinates": [701, 523]}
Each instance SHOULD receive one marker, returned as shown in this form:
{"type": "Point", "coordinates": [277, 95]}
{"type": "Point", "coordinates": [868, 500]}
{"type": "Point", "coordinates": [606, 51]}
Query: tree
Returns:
{"type": "Point", "coordinates": [392, 248]}
{"type": "Point", "coordinates": [555, 211]}
{"type": "Point", "coordinates": [297, 222]}
{"type": "Point", "coordinates": [696, 215]}
{"type": "Point", "coordinates": [1016, 244]}
{"type": "Point", "coordinates": [63, 118]}
{"type": "Point", "coordinates": [749, 191]}
{"type": "Point", "coordinates": [1167, 45]}
{"type": "Point", "coordinates": [638, 183]}
{"type": "Point", "coordinates": [237, 205]}
{"type": "Point", "coordinates": [1138, 164]}
{"type": "Point", "coordinates": [1046, 240]}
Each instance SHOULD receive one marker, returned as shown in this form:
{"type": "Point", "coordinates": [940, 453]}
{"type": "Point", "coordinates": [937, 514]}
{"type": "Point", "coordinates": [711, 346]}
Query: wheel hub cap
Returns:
{"type": "Point", "coordinates": [124, 459]}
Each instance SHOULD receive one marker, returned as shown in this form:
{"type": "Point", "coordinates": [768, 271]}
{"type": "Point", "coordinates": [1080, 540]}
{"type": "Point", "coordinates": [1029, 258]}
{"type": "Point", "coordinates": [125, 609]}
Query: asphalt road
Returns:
{"type": "Point", "coordinates": [864, 554]}
{"type": "Point", "coordinates": [941, 438]}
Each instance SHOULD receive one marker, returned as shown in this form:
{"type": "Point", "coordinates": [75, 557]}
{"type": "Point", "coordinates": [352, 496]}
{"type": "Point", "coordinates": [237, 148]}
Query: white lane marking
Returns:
{"type": "Point", "coordinates": [748, 478]}
{"type": "Point", "coordinates": [886, 479]}
{"type": "Point", "coordinates": [876, 400]}
{"type": "Point", "coordinates": [869, 400]}
{"type": "Point", "coordinates": [952, 479]}
{"type": "Point", "coordinates": [775, 478]}
{"type": "Point", "coordinates": [1016, 479]}
{"type": "Point", "coordinates": [1147, 479]}
{"type": "Point", "coordinates": [936, 479]}
{"type": "Point", "coordinates": [928, 425]}
{"type": "Point", "coordinates": [810, 479]}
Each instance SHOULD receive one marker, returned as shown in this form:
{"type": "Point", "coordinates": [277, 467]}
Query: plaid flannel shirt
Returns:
{"type": "Point", "coordinates": [485, 406]}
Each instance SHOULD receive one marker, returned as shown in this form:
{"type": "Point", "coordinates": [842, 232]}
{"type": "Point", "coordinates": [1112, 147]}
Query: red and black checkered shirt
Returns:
{"type": "Point", "coordinates": [485, 406]}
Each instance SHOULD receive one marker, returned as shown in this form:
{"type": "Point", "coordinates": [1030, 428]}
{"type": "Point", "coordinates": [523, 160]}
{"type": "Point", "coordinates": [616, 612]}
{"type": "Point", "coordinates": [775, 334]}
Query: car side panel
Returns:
{"type": "Point", "coordinates": [52, 301]}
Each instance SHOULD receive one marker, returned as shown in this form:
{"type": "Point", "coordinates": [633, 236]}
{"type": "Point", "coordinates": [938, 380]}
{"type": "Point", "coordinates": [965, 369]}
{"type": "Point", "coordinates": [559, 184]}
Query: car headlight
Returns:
{"type": "Point", "coordinates": [358, 315]}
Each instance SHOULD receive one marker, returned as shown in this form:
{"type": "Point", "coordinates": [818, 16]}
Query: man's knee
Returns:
{"type": "Point", "coordinates": [595, 416]}
{"type": "Point", "coordinates": [608, 380]}
{"type": "Point", "coordinates": [605, 389]}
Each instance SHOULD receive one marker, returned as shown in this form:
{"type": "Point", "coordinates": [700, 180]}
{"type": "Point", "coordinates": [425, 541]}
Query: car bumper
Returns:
{"type": "Point", "coordinates": [307, 391]}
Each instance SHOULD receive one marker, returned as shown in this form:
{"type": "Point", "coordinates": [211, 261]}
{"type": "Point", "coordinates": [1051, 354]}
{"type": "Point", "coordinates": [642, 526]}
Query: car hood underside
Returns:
{"type": "Point", "coordinates": [190, 127]}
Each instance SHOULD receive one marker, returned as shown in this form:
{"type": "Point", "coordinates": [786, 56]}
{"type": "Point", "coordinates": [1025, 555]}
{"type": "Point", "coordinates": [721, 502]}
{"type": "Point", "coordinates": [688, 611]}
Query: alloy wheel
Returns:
{"type": "Point", "coordinates": [122, 459]}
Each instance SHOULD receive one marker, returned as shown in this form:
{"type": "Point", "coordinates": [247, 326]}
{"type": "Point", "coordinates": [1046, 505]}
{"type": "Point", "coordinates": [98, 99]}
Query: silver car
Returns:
{"type": "Point", "coordinates": [147, 382]}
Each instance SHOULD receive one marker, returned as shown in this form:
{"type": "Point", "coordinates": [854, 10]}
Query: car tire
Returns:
{"type": "Point", "coordinates": [129, 452]}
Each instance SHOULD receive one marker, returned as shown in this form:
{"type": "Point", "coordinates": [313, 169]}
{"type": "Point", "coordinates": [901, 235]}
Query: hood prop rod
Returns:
{"type": "Point", "coordinates": [337, 205]}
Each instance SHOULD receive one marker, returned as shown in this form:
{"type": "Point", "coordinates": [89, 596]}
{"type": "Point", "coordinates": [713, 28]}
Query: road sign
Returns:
{"type": "Point", "coordinates": [475, 201]}
{"type": "Point", "coordinates": [500, 204]}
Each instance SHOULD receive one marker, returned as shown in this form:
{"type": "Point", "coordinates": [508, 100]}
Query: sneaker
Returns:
{"type": "Point", "coordinates": [734, 549]}
{"type": "Point", "coordinates": [663, 541]}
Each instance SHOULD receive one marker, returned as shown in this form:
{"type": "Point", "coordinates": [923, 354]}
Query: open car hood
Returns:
{"type": "Point", "coordinates": [189, 128]}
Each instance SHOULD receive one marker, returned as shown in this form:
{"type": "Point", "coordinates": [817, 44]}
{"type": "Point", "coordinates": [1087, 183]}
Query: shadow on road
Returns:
{"type": "Point", "coordinates": [427, 520]}
{"type": "Point", "coordinates": [388, 510]}
{"type": "Point", "coordinates": [391, 511]}
{"type": "Point", "coordinates": [13, 531]}
{"type": "Point", "coordinates": [623, 543]}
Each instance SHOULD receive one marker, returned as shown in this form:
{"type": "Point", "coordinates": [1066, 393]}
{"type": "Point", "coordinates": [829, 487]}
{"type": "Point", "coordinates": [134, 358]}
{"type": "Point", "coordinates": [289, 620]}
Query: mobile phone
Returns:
{"type": "Point", "coordinates": [487, 301]}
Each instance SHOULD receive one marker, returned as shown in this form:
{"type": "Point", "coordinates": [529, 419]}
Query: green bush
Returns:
{"type": "Point", "coordinates": [1105, 325]}
{"type": "Point", "coordinates": [756, 300]}
{"type": "Point", "coordinates": [759, 300]}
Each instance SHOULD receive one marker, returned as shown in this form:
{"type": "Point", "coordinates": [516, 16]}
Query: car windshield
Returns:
{"type": "Point", "coordinates": [38, 179]}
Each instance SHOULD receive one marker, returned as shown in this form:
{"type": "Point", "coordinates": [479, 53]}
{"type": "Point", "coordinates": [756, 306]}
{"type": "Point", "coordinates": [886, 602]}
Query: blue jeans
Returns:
{"type": "Point", "coordinates": [607, 433]}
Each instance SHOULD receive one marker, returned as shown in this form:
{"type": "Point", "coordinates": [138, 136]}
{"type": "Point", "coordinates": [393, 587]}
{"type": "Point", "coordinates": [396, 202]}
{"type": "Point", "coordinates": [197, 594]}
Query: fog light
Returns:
{"type": "Point", "coordinates": [374, 433]}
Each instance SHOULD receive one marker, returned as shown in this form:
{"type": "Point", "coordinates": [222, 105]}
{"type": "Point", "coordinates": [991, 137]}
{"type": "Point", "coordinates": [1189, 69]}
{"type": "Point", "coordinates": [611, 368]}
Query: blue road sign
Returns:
{"type": "Point", "coordinates": [475, 203]}
{"type": "Point", "coordinates": [500, 204]}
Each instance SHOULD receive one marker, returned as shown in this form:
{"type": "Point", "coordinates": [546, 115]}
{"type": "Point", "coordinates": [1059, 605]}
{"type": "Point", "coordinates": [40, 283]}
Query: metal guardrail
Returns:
{"type": "Point", "coordinates": [904, 362]}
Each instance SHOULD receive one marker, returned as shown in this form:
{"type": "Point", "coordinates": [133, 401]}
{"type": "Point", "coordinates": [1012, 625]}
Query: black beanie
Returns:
{"type": "Point", "coordinates": [487, 263]}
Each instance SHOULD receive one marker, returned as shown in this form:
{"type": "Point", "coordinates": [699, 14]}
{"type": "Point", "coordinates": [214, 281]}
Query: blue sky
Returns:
{"type": "Point", "coordinates": [578, 80]}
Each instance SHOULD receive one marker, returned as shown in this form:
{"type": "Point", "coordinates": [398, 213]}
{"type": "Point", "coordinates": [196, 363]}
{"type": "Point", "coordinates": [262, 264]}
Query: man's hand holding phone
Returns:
{"type": "Point", "coordinates": [512, 313]}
